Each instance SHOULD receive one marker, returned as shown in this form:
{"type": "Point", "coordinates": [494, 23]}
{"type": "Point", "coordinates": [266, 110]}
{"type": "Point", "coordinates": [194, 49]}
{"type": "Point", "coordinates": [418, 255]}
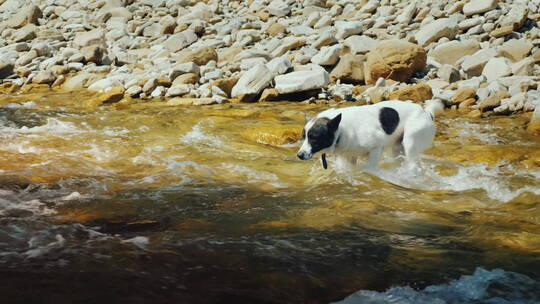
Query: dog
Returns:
{"type": "Point", "coordinates": [349, 133]}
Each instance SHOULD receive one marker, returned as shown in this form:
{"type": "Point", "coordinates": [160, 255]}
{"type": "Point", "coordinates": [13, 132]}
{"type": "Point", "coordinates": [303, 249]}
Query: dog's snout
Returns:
{"type": "Point", "coordinates": [301, 155]}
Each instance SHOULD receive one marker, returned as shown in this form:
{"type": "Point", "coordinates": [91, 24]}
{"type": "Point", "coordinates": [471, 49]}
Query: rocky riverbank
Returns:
{"type": "Point", "coordinates": [479, 56]}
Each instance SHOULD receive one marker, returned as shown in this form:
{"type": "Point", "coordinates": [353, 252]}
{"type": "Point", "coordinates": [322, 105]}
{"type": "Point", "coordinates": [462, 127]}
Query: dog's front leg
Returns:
{"type": "Point", "coordinates": [373, 158]}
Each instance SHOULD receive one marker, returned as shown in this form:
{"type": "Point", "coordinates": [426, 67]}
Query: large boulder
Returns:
{"type": "Point", "coordinates": [496, 68]}
{"type": "Point", "coordinates": [350, 69]}
{"type": "Point", "coordinates": [394, 59]}
{"type": "Point", "coordinates": [300, 81]}
{"type": "Point", "coordinates": [253, 81]}
{"type": "Point", "coordinates": [433, 31]}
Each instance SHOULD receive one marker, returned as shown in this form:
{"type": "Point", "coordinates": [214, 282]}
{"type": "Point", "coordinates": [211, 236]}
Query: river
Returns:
{"type": "Point", "coordinates": [149, 203]}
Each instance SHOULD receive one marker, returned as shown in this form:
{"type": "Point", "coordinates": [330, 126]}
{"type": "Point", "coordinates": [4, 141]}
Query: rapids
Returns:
{"type": "Point", "coordinates": [154, 203]}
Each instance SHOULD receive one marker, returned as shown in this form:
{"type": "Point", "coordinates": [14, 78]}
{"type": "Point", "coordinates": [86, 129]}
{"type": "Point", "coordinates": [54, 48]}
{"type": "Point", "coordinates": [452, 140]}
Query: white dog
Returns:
{"type": "Point", "coordinates": [357, 131]}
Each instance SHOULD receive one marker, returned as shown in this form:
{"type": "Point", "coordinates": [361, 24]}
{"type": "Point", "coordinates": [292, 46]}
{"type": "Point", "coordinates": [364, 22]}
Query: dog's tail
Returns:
{"type": "Point", "coordinates": [433, 107]}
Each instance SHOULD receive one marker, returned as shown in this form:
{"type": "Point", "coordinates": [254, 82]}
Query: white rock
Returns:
{"type": "Point", "coordinates": [279, 65]}
{"type": "Point", "coordinates": [180, 40]}
{"type": "Point", "coordinates": [444, 27]}
{"type": "Point", "coordinates": [134, 91]}
{"type": "Point", "coordinates": [326, 38]}
{"type": "Point", "coordinates": [345, 29]}
{"type": "Point", "coordinates": [524, 67]}
{"type": "Point", "coordinates": [96, 36]}
{"type": "Point", "coordinates": [474, 64]}
{"type": "Point", "coordinates": [407, 14]}
{"type": "Point", "coordinates": [300, 81]}
{"type": "Point", "coordinates": [253, 81]}
{"type": "Point", "coordinates": [496, 68]}
{"type": "Point", "coordinates": [479, 6]}
{"type": "Point", "coordinates": [178, 90]}
{"type": "Point", "coordinates": [278, 8]}
{"type": "Point", "coordinates": [105, 83]}
{"type": "Point", "coordinates": [360, 44]}
{"type": "Point", "coordinates": [323, 22]}
{"type": "Point", "coordinates": [328, 55]}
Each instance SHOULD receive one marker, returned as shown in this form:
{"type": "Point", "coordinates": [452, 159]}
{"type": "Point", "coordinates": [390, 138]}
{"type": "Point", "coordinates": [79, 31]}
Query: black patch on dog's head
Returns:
{"type": "Point", "coordinates": [389, 119]}
{"type": "Point", "coordinates": [322, 132]}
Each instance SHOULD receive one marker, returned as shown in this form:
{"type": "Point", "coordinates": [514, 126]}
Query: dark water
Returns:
{"type": "Point", "coordinates": [155, 204]}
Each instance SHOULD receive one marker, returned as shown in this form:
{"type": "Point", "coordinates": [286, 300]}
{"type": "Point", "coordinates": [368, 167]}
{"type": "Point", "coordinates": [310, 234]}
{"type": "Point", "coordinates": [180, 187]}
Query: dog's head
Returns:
{"type": "Point", "coordinates": [318, 134]}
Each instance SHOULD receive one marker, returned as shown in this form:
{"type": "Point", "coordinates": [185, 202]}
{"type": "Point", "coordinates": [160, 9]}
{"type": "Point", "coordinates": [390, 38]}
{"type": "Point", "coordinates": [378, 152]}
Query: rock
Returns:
{"type": "Point", "coordinates": [512, 104]}
{"type": "Point", "coordinates": [80, 80]}
{"type": "Point", "coordinates": [28, 32]}
{"type": "Point", "coordinates": [536, 56]}
{"type": "Point", "coordinates": [359, 44]}
{"type": "Point", "coordinates": [451, 51]}
{"type": "Point", "coordinates": [93, 53]}
{"type": "Point", "coordinates": [149, 86]}
{"type": "Point", "coordinates": [448, 73]}
{"type": "Point", "coordinates": [516, 17]}
{"type": "Point", "coordinates": [269, 94]}
{"type": "Point", "coordinates": [326, 38]}
{"type": "Point", "coordinates": [188, 78]}
{"type": "Point", "coordinates": [201, 56]}
{"type": "Point", "coordinates": [433, 31]}
{"type": "Point", "coordinates": [114, 94]}
{"type": "Point", "coordinates": [462, 95]}
{"type": "Point", "coordinates": [479, 6]}
{"type": "Point", "coordinates": [104, 84]}
{"type": "Point", "coordinates": [28, 15]}
{"type": "Point", "coordinates": [279, 65]}
{"type": "Point", "coordinates": [44, 77]}
{"type": "Point", "coordinates": [178, 90]}
{"type": "Point", "coordinates": [188, 67]}
{"type": "Point", "coordinates": [225, 84]}
{"type": "Point", "coordinates": [96, 36]}
{"type": "Point", "coordinates": [524, 67]}
{"type": "Point", "coordinates": [474, 65]}
{"type": "Point", "coordinates": [407, 14]}
{"type": "Point", "coordinates": [180, 40]}
{"type": "Point", "coordinates": [345, 29]}
{"type": "Point", "coordinates": [350, 69]}
{"type": "Point", "coordinates": [502, 31]}
{"type": "Point", "coordinates": [134, 91]}
{"type": "Point", "coordinates": [328, 55]}
{"type": "Point", "coordinates": [253, 81]}
{"type": "Point", "coordinates": [534, 124]}
{"type": "Point", "coordinates": [492, 101]}
{"type": "Point", "coordinates": [278, 8]}
{"type": "Point", "coordinates": [288, 43]}
{"type": "Point", "coordinates": [394, 59]}
{"type": "Point", "coordinates": [275, 135]}
{"type": "Point", "coordinates": [515, 49]}
{"type": "Point", "coordinates": [496, 68]}
{"type": "Point", "coordinates": [6, 69]}
{"type": "Point", "coordinates": [276, 29]}
{"type": "Point", "coordinates": [300, 81]}
{"type": "Point", "coordinates": [417, 93]}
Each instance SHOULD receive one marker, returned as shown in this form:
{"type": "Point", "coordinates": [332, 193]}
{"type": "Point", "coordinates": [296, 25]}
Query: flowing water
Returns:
{"type": "Point", "coordinates": [150, 203]}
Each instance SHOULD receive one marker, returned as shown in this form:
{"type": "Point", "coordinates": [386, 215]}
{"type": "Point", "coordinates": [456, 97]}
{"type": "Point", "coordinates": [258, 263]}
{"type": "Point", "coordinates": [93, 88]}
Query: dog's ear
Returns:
{"type": "Point", "coordinates": [334, 123]}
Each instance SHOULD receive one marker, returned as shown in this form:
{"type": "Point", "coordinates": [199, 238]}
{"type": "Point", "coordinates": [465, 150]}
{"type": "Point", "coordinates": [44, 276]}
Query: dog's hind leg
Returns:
{"type": "Point", "coordinates": [416, 139]}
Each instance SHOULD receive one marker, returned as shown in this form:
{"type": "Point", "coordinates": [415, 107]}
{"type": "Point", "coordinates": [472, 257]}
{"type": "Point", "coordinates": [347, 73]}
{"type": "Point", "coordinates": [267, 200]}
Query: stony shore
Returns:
{"type": "Point", "coordinates": [479, 57]}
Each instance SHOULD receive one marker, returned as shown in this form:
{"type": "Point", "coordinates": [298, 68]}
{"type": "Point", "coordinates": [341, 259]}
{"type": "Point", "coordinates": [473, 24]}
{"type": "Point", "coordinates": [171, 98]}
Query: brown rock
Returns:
{"type": "Point", "coordinates": [276, 29]}
{"type": "Point", "coordinates": [417, 93]}
{"type": "Point", "coordinates": [188, 78]}
{"type": "Point", "coordinates": [201, 56]}
{"type": "Point", "coordinates": [44, 77]}
{"type": "Point", "coordinates": [28, 15]}
{"type": "Point", "coordinates": [502, 31]}
{"type": "Point", "coordinates": [93, 53]}
{"type": "Point", "coordinates": [228, 54]}
{"type": "Point", "coordinates": [350, 69]}
{"type": "Point", "coordinates": [269, 94]}
{"type": "Point", "coordinates": [536, 56]}
{"type": "Point", "coordinates": [274, 135]}
{"type": "Point", "coordinates": [113, 95]}
{"type": "Point", "coordinates": [225, 84]}
{"type": "Point", "coordinates": [263, 15]}
{"type": "Point", "coordinates": [465, 106]}
{"type": "Point", "coordinates": [60, 69]}
{"type": "Point", "coordinates": [492, 101]}
{"type": "Point", "coordinates": [394, 59]}
{"type": "Point", "coordinates": [463, 94]}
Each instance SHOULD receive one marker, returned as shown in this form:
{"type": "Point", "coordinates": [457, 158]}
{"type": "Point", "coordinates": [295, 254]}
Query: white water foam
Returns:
{"type": "Point", "coordinates": [35, 206]}
{"type": "Point", "coordinates": [423, 176]}
{"type": "Point", "coordinates": [483, 287]}
{"type": "Point", "coordinates": [197, 138]}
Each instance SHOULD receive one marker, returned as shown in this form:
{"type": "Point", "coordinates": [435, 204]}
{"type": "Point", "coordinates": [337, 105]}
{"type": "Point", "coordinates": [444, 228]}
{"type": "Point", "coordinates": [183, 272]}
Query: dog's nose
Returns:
{"type": "Point", "coordinates": [301, 155]}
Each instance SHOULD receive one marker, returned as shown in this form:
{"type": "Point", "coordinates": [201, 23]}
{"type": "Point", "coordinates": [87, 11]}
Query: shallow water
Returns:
{"type": "Point", "coordinates": [153, 203]}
